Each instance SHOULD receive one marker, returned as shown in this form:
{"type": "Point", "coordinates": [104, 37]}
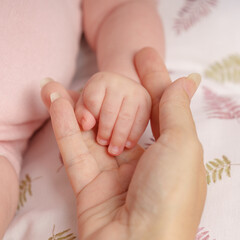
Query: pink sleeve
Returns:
{"type": "Point", "coordinates": [38, 39]}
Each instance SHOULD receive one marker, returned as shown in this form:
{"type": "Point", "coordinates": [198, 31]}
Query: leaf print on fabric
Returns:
{"type": "Point", "coordinates": [192, 12]}
{"type": "Point", "coordinates": [220, 107]}
{"type": "Point", "coordinates": [203, 234]}
{"type": "Point", "coordinates": [148, 144]}
{"type": "Point", "coordinates": [226, 70]}
{"type": "Point", "coordinates": [64, 235]}
{"type": "Point", "coordinates": [25, 189]}
{"type": "Point", "coordinates": [216, 168]}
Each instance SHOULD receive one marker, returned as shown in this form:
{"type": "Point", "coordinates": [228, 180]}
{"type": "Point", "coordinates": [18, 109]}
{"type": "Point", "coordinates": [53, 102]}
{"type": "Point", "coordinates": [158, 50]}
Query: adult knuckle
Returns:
{"type": "Point", "coordinates": [68, 134]}
{"type": "Point", "coordinates": [173, 137]}
{"type": "Point", "coordinates": [80, 159]}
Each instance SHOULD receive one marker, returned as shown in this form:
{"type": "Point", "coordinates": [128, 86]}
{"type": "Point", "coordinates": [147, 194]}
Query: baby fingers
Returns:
{"type": "Point", "coordinates": [89, 105]}
{"type": "Point", "coordinates": [85, 118]}
{"type": "Point", "coordinates": [108, 115]}
{"type": "Point", "coordinates": [140, 124]}
{"type": "Point", "coordinates": [123, 126]}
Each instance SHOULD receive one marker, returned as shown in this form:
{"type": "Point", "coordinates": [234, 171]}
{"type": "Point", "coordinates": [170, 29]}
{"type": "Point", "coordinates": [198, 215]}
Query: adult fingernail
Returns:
{"type": "Point", "coordinates": [196, 77]}
{"type": "Point", "coordinates": [114, 150]}
{"type": "Point", "coordinates": [45, 81]}
{"type": "Point", "coordinates": [54, 96]}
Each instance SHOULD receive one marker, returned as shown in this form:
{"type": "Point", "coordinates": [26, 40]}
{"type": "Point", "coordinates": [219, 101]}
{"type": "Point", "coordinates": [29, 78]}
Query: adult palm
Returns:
{"type": "Point", "coordinates": [156, 194]}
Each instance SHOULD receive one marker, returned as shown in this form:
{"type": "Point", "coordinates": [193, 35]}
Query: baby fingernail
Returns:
{"type": "Point", "coordinates": [102, 142]}
{"type": "Point", "coordinates": [45, 81]}
{"type": "Point", "coordinates": [128, 144]}
{"type": "Point", "coordinates": [54, 96]}
{"type": "Point", "coordinates": [113, 150]}
{"type": "Point", "coordinates": [196, 77]}
{"type": "Point", "coordinates": [83, 122]}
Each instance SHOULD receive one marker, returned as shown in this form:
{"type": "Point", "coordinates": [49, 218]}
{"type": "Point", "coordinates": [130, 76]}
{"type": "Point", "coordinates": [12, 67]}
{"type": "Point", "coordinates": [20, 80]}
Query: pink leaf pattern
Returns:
{"type": "Point", "coordinates": [221, 107]}
{"type": "Point", "coordinates": [148, 144]}
{"type": "Point", "coordinates": [191, 13]}
{"type": "Point", "coordinates": [203, 234]}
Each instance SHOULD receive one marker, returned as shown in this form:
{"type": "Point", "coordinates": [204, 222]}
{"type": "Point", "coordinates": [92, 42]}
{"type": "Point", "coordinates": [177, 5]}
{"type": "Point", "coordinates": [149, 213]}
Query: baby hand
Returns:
{"type": "Point", "coordinates": [121, 106]}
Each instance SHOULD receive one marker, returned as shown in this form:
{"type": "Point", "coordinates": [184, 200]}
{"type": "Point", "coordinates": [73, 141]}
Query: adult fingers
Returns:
{"type": "Point", "coordinates": [80, 165]}
{"type": "Point", "coordinates": [155, 78]}
{"type": "Point", "coordinates": [183, 151]}
{"type": "Point", "coordinates": [175, 114]}
{"type": "Point", "coordinates": [176, 164]}
{"type": "Point", "coordinates": [84, 117]}
{"type": "Point", "coordinates": [49, 86]}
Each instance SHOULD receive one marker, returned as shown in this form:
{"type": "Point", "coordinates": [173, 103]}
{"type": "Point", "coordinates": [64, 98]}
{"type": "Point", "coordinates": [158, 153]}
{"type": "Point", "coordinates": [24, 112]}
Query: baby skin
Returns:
{"type": "Point", "coordinates": [120, 105]}
{"type": "Point", "coordinates": [113, 98]}
{"type": "Point", "coordinates": [140, 193]}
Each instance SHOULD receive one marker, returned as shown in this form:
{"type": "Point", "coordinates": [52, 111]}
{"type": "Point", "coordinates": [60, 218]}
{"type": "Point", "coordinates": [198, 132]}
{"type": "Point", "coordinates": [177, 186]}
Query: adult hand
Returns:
{"type": "Point", "coordinates": [155, 195]}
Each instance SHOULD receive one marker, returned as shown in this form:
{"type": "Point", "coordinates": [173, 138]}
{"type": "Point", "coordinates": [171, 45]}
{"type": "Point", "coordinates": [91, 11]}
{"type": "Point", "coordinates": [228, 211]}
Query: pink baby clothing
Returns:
{"type": "Point", "coordinates": [38, 39]}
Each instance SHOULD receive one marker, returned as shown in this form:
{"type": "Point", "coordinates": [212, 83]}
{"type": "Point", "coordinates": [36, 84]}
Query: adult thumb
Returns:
{"type": "Point", "coordinates": [155, 78]}
{"type": "Point", "coordinates": [175, 114]}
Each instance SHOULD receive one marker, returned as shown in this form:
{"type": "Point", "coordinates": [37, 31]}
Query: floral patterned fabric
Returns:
{"type": "Point", "coordinates": [201, 36]}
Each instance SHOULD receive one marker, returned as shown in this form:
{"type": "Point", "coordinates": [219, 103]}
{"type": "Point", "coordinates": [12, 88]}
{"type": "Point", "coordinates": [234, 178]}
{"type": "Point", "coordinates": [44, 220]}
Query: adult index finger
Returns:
{"type": "Point", "coordinates": [81, 167]}
{"type": "Point", "coordinates": [155, 78]}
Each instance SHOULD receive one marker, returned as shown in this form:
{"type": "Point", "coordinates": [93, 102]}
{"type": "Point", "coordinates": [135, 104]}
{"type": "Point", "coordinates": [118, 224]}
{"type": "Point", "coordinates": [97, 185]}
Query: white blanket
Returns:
{"type": "Point", "coordinates": [201, 36]}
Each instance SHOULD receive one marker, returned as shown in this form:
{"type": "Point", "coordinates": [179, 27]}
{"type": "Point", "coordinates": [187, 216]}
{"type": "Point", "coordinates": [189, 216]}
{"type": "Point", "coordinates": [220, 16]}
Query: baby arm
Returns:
{"type": "Point", "coordinates": [116, 30]}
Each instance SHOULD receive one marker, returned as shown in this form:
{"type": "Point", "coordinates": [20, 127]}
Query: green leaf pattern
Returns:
{"type": "Point", "coordinates": [25, 189]}
{"type": "Point", "coordinates": [64, 235]}
{"type": "Point", "coordinates": [216, 168]}
{"type": "Point", "coordinates": [226, 70]}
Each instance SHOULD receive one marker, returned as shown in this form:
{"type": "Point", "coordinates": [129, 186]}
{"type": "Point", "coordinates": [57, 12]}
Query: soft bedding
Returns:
{"type": "Point", "coordinates": [201, 36]}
